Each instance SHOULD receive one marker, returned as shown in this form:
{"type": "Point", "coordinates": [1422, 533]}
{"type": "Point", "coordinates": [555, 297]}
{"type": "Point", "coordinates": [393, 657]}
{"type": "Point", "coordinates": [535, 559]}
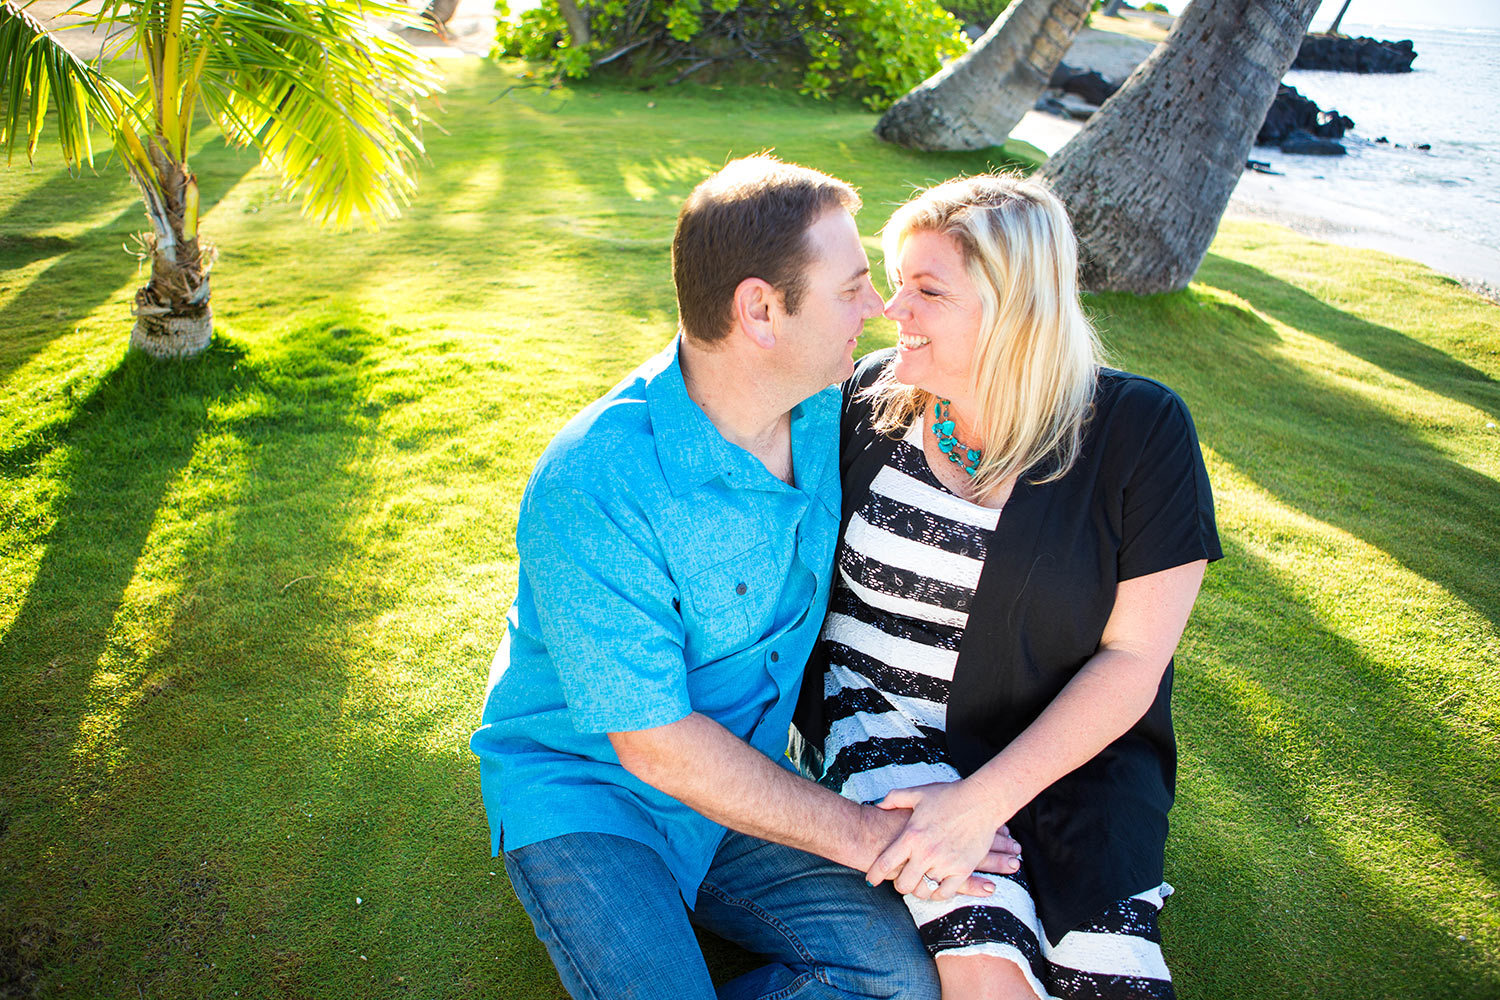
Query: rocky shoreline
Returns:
{"type": "Point", "coordinates": [1344, 54]}
{"type": "Point", "coordinates": [1268, 195]}
{"type": "Point", "coordinates": [1294, 124]}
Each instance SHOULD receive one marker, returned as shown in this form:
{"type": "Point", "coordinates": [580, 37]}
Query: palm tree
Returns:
{"type": "Point", "coordinates": [1333, 29]}
{"type": "Point", "coordinates": [328, 102]}
{"type": "Point", "coordinates": [976, 100]}
{"type": "Point", "coordinates": [1147, 179]}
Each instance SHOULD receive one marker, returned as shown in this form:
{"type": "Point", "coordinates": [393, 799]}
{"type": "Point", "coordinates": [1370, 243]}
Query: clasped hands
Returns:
{"type": "Point", "coordinates": [950, 834]}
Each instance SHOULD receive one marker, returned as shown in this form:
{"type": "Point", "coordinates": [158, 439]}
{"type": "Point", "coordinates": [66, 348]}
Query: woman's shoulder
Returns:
{"type": "Point", "coordinates": [1138, 422]}
{"type": "Point", "coordinates": [1126, 396]}
{"type": "Point", "coordinates": [1128, 385]}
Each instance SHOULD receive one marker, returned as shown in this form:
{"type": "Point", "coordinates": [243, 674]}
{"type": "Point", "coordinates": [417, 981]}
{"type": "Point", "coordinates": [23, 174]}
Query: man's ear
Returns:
{"type": "Point", "coordinates": [754, 302]}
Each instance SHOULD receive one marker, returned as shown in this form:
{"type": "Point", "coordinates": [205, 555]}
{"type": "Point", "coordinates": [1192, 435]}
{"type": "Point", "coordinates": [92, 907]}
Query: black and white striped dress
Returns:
{"type": "Point", "coordinates": [908, 566]}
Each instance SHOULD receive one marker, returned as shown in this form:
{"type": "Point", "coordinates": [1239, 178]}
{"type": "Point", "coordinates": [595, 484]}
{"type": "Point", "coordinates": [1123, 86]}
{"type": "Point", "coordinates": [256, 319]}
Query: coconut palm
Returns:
{"type": "Point", "coordinates": [1148, 178]}
{"type": "Point", "coordinates": [976, 100]}
{"type": "Point", "coordinates": [327, 101]}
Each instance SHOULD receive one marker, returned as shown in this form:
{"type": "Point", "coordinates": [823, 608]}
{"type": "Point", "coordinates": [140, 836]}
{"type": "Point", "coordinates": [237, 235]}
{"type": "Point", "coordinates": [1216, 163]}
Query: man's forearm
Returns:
{"type": "Point", "coordinates": [705, 766]}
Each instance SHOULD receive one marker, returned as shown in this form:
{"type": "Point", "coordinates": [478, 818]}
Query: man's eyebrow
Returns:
{"type": "Point", "coordinates": [858, 274]}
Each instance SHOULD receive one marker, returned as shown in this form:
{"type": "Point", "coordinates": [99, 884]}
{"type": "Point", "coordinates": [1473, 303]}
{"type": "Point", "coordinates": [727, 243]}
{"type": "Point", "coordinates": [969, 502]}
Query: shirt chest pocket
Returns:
{"type": "Point", "coordinates": [729, 605]}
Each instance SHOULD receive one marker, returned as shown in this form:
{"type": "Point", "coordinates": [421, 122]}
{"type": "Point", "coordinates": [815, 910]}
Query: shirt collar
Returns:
{"type": "Point", "coordinates": [815, 431]}
{"type": "Point", "coordinates": [689, 447]}
{"type": "Point", "coordinates": [692, 451]}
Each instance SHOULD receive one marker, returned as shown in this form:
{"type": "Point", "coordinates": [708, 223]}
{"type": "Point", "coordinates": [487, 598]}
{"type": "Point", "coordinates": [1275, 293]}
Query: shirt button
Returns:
{"type": "Point", "coordinates": [775, 656]}
{"type": "Point", "coordinates": [739, 588]}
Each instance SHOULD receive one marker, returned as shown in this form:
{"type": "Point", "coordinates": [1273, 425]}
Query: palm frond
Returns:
{"type": "Point", "coordinates": [36, 73]}
{"type": "Point", "coordinates": [329, 102]}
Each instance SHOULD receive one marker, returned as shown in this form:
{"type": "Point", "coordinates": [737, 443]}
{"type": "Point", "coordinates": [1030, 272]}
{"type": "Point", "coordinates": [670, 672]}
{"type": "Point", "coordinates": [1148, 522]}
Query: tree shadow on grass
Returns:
{"type": "Point", "coordinates": [89, 269]}
{"type": "Point", "coordinates": [1326, 756]}
{"type": "Point", "coordinates": [1301, 758]}
{"type": "Point", "coordinates": [207, 787]}
{"type": "Point", "coordinates": [112, 461]}
{"type": "Point", "coordinates": [177, 680]}
{"type": "Point", "coordinates": [1385, 348]}
{"type": "Point", "coordinates": [1316, 445]}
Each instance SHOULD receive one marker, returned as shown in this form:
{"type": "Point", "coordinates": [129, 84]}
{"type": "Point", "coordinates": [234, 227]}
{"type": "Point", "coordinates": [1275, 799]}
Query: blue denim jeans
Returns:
{"type": "Point", "coordinates": [614, 923]}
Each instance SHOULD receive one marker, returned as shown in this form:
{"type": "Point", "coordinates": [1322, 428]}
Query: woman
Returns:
{"type": "Point", "coordinates": [1025, 532]}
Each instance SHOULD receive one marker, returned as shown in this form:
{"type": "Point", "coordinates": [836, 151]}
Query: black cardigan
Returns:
{"type": "Point", "coordinates": [1136, 501]}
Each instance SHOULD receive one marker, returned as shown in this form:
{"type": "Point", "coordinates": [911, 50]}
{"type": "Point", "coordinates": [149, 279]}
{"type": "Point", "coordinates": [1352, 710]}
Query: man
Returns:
{"type": "Point", "coordinates": [676, 544]}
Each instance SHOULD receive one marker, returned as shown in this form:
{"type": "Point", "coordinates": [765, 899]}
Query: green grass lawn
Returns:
{"type": "Point", "coordinates": [247, 604]}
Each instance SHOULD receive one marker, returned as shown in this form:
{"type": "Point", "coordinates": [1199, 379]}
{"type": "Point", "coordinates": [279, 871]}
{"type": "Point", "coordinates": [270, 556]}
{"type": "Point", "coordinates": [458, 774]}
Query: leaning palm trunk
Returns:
{"type": "Point", "coordinates": [976, 100]}
{"type": "Point", "coordinates": [1147, 179]}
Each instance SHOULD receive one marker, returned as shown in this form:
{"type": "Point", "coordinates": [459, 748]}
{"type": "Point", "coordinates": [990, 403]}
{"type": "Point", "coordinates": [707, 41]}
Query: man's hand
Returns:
{"type": "Point", "coordinates": [704, 766]}
{"type": "Point", "coordinates": [1004, 857]}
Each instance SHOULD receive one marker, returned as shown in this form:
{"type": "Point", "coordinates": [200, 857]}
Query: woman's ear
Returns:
{"type": "Point", "coordinates": [754, 302]}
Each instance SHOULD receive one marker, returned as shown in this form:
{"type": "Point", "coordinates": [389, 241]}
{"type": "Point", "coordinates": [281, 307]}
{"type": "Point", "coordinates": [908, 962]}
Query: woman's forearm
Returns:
{"type": "Point", "coordinates": [1105, 698]}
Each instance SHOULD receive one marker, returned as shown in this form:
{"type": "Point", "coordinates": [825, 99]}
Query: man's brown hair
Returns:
{"type": "Point", "coordinates": [749, 220]}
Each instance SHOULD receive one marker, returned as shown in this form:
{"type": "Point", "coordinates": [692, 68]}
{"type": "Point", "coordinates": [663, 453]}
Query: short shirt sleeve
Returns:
{"type": "Point", "coordinates": [1168, 508]}
{"type": "Point", "coordinates": [605, 604]}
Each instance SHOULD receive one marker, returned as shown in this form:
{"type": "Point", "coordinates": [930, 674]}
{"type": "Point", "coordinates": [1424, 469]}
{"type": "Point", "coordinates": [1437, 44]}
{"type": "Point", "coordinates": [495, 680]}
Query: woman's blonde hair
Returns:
{"type": "Point", "coordinates": [1037, 356]}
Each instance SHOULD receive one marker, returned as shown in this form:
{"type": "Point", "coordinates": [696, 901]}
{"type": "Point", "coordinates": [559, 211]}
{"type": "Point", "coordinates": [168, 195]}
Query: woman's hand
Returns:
{"type": "Point", "coordinates": [952, 832]}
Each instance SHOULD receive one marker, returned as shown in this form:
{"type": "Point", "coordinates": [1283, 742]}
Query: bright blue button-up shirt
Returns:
{"type": "Point", "coordinates": [663, 571]}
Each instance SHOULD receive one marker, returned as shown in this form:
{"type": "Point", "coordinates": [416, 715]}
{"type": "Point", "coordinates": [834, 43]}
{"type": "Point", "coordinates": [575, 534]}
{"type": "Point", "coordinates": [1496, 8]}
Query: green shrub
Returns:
{"type": "Point", "coordinates": [980, 12]}
{"type": "Point", "coordinates": [1155, 8]}
{"type": "Point", "coordinates": [873, 49]}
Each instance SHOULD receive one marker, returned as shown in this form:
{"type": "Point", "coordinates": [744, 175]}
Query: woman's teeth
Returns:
{"type": "Point", "coordinates": [911, 343]}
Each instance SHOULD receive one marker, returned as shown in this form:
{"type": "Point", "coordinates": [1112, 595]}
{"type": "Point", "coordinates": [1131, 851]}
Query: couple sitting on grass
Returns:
{"type": "Point", "coordinates": [964, 572]}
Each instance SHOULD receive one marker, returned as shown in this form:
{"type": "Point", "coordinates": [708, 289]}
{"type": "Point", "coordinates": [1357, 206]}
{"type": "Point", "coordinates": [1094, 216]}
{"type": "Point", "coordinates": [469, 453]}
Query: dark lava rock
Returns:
{"type": "Point", "coordinates": [1050, 105]}
{"type": "Point", "coordinates": [1355, 55]}
{"type": "Point", "coordinates": [1291, 112]}
{"type": "Point", "coordinates": [1090, 86]}
{"type": "Point", "coordinates": [1062, 75]}
{"type": "Point", "coordinates": [1087, 84]}
{"type": "Point", "coordinates": [1303, 144]}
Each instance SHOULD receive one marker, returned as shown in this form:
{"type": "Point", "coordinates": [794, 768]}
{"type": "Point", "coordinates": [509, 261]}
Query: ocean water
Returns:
{"type": "Point", "coordinates": [1450, 192]}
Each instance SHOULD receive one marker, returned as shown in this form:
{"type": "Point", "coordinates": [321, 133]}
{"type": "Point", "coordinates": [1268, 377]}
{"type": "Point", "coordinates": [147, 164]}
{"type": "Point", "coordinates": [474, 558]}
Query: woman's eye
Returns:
{"type": "Point", "coordinates": [931, 293]}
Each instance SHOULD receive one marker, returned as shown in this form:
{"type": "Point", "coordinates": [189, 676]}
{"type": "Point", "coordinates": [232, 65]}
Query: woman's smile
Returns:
{"type": "Point", "coordinates": [937, 312]}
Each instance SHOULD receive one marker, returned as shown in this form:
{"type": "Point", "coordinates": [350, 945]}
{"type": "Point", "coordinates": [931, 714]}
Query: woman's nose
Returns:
{"type": "Point", "coordinates": [896, 307]}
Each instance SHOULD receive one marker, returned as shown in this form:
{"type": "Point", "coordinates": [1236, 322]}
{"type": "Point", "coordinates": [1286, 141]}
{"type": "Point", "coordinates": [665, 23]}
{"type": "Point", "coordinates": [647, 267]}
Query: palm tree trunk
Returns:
{"type": "Point", "coordinates": [1333, 29]}
{"type": "Point", "coordinates": [976, 100]}
{"type": "Point", "coordinates": [1147, 179]}
{"type": "Point", "coordinates": [173, 318]}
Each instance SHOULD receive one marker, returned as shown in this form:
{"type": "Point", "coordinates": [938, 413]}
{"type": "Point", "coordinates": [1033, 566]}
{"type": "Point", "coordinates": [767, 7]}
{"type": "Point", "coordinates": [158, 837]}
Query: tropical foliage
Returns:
{"type": "Point", "coordinates": [980, 12]}
{"type": "Point", "coordinates": [329, 102]}
{"type": "Point", "coordinates": [874, 49]}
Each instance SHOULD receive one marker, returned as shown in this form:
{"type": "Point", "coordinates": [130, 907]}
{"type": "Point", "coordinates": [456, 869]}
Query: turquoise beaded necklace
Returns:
{"type": "Point", "coordinates": [964, 457]}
